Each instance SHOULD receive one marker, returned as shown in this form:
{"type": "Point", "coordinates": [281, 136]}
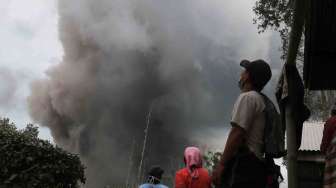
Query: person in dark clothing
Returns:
{"type": "Point", "coordinates": [154, 178]}
{"type": "Point", "coordinates": [328, 147]}
{"type": "Point", "coordinates": [242, 162]}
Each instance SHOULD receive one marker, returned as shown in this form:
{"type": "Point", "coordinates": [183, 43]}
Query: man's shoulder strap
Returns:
{"type": "Point", "coordinates": [268, 102]}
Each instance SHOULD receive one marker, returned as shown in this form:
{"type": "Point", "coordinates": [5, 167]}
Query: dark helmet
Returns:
{"type": "Point", "coordinates": [260, 72]}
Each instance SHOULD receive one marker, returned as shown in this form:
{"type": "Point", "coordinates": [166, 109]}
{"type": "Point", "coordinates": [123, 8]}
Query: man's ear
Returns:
{"type": "Point", "coordinates": [247, 76]}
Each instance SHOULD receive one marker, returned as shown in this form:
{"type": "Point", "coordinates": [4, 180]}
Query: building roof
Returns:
{"type": "Point", "coordinates": [312, 133]}
{"type": "Point", "coordinates": [320, 48]}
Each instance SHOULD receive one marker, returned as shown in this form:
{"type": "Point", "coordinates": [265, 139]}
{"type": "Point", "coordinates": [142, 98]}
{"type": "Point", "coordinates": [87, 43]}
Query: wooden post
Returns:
{"type": "Point", "coordinates": [296, 31]}
{"type": "Point", "coordinates": [291, 149]}
{"type": "Point", "coordinates": [294, 43]}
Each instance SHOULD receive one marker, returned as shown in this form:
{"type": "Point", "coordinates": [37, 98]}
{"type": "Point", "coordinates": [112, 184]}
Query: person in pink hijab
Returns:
{"type": "Point", "coordinates": [193, 175]}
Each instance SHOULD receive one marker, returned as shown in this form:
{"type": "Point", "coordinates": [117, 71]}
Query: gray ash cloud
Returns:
{"type": "Point", "coordinates": [123, 56]}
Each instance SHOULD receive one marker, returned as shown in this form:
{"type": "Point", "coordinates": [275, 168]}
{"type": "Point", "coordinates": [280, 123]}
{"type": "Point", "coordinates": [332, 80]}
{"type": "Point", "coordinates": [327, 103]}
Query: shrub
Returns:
{"type": "Point", "coordinates": [211, 159]}
{"type": "Point", "coordinates": [27, 161]}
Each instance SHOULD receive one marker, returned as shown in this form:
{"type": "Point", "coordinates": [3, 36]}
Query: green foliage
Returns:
{"type": "Point", "coordinates": [273, 14]}
{"type": "Point", "coordinates": [276, 15]}
{"type": "Point", "coordinates": [321, 103]}
{"type": "Point", "coordinates": [211, 159]}
{"type": "Point", "coordinates": [27, 161]}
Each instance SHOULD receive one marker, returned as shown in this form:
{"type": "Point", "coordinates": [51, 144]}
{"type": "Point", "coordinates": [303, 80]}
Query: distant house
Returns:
{"type": "Point", "coordinates": [310, 159]}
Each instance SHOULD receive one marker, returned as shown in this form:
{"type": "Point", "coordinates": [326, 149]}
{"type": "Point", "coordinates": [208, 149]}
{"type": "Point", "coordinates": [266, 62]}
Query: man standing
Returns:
{"type": "Point", "coordinates": [328, 147]}
{"type": "Point", "coordinates": [242, 164]}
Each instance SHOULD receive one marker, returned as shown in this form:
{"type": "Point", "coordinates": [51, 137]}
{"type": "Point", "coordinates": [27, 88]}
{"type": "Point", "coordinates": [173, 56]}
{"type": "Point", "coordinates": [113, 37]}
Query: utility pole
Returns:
{"type": "Point", "coordinates": [294, 43]}
{"type": "Point", "coordinates": [145, 142]}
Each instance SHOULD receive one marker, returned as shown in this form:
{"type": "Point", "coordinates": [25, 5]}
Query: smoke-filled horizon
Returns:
{"type": "Point", "coordinates": [125, 57]}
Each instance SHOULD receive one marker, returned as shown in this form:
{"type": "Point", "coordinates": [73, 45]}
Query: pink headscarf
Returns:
{"type": "Point", "coordinates": [193, 160]}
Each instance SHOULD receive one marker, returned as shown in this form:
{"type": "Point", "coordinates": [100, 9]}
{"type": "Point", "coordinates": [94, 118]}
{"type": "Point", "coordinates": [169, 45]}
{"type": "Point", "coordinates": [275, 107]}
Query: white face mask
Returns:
{"type": "Point", "coordinates": [151, 179]}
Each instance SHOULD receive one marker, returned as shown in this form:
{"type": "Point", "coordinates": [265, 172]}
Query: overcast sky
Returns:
{"type": "Point", "coordinates": [29, 38]}
{"type": "Point", "coordinates": [30, 44]}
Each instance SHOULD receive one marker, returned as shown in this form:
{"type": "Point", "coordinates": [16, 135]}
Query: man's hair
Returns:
{"type": "Point", "coordinates": [256, 85]}
{"type": "Point", "coordinates": [333, 112]}
{"type": "Point", "coordinates": [155, 174]}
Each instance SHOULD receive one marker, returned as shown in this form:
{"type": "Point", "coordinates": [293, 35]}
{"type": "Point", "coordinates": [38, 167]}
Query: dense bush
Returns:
{"type": "Point", "coordinates": [27, 161]}
{"type": "Point", "coordinates": [211, 159]}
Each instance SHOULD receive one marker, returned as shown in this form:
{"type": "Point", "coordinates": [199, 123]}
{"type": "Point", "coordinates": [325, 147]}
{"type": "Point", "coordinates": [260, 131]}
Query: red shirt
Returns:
{"type": "Point", "coordinates": [184, 180]}
{"type": "Point", "coordinates": [328, 133]}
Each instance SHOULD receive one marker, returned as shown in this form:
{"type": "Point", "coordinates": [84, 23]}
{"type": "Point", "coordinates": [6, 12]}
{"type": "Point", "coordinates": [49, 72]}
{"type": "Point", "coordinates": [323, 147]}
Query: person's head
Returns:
{"type": "Point", "coordinates": [333, 110]}
{"type": "Point", "coordinates": [255, 75]}
{"type": "Point", "coordinates": [155, 175]}
{"type": "Point", "coordinates": [193, 160]}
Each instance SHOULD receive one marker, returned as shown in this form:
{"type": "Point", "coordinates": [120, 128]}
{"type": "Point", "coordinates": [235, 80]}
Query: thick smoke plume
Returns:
{"type": "Point", "coordinates": [125, 57]}
{"type": "Point", "coordinates": [8, 87]}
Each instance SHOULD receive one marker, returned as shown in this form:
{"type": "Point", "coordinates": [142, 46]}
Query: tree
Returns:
{"type": "Point", "coordinates": [277, 15]}
{"type": "Point", "coordinates": [27, 161]}
{"type": "Point", "coordinates": [211, 159]}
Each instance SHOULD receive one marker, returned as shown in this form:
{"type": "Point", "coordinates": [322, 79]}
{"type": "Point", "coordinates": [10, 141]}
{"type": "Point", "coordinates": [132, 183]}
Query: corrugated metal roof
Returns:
{"type": "Point", "coordinates": [320, 49]}
{"type": "Point", "coordinates": [312, 136]}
